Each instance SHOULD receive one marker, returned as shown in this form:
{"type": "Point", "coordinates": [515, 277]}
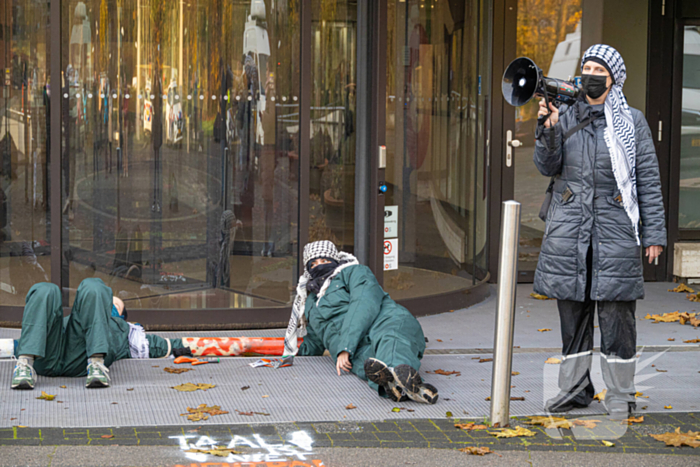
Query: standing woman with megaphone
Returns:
{"type": "Point", "coordinates": [606, 206]}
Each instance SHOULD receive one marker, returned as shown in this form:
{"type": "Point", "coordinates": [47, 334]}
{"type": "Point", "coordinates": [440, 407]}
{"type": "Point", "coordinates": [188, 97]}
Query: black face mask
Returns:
{"type": "Point", "coordinates": [319, 274]}
{"type": "Point", "coordinates": [594, 86]}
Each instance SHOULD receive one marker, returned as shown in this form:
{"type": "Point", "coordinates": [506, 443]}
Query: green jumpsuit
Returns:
{"type": "Point", "coordinates": [63, 345]}
{"type": "Point", "coordinates": [357, 316]}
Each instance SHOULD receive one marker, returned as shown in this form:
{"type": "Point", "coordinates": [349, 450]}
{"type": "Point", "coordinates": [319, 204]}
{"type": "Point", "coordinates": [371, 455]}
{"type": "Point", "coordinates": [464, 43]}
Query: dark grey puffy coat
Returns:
{"type": "Point", "coordinates": [594, 215]}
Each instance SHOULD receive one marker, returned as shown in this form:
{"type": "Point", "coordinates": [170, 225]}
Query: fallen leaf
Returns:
{"type": "Point", "coordinates": [262, 413]}
{"type": "Point", "coordinates": [694, 322]}
{"type": "Point", "coordinates": [692, 341]}
{"type": "Point", "coordinates": [552, 361]}
{"type": "Point", "coordinates": [265, 396]}
{"type": "Point", "coordinates": [512, 433]}
{"type": "Point", "coordinates": [488, 398]}
{"type": "Point", "coordinates": [682, 288]}
{"type": "Point", "coordinates": [549, 422]}
{"type": "Point", "coordinates": [632, 420]}
{"type": "Point", "coordinates": [544, 330]}
{"type": "Point", "coordinates": [662, 371]}
{"type": "Point", "coordinates": [450, 311]}
{"type": "Point", "coordinates": [201, 411]}
{"type": "Point", "coordinates": [350, 407]}
{"type": "Point", "coordinates": [678, 439]}
{"type": "Point", "coordinates": [244, 388]}
{"type": "Point", "coordinates": [693, 297]}
{"type": "Point", "coordinates": [247, 414]}
{"type": "Point", "coordinates": [156, 366]}
{"type": "Point", "coordinates": [190, 387]}
{"type": "Point", "coordinates": [470, 426]}
{"type": "Point", "coordinates": [484, 360]}
{"type": "Point", "coordinates": [177, 371]}
{"type": "Point", "coordinates": [115, 403]}
{"type": "Point", "coordinates": [600, 396]}
{"type": "Point", "coordinates": [62, 387]}
{"type": "Point", "coordinates": [668, 407]}
{"type": "Point", "coordinates": [481, 451]}
{"type": "Point", "coordinates": [671, 339]}
{"type": "Point", "coordinates": [439, 340]}
{"type": "Point", "coordinates": [671, 317]}
{"type": "Point", "coordinates": [130, 389]}
{"type": "Point", "coordinates": [447, 373]}
{"type": "Point", "coordinates": [215, 451]}
{"type": "Point", "coordinates": [645, 407]}
{"type": "Point", "coordinates": [540, 297]}
{"type": "Point", "coordinates": [107, 436]}
{"type": "Point", "coordinates": [607, 443]}
{"type": "Point", "coordinates": [514, 373]}
{"type": "Point", "coordinates": [517, 398]}
{"type": "Point", "coordinates": [396, 409]}
{"type": "Point", "coordinates": [46, 397]}
{"type": "Point", "coordinates": [448, 414]}
{"type": "Point", "coordinates": [586, 423]}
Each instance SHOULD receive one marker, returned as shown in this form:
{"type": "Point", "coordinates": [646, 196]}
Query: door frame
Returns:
{"type": "Point", "coordinates": [660, 35]}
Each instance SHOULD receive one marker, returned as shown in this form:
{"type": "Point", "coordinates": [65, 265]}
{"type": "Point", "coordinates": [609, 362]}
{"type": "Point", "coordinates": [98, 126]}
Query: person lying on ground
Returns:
{"type": "Point", "coordinates": [86, 342]}
{"type": "Point", "coordinates": [349, 314]}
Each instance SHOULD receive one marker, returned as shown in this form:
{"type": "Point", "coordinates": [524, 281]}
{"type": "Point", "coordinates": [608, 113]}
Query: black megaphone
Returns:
{"type": "Point", "coordinates": [524, 80]}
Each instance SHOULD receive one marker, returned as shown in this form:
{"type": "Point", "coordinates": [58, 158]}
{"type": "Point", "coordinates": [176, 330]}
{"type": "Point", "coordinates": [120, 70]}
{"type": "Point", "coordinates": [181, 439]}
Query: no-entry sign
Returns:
{"type": "Point", "coordinates": [391, 254]}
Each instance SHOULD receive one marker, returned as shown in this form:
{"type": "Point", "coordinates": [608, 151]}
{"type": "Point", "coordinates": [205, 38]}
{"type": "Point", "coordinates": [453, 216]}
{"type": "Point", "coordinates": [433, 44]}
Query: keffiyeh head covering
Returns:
{"type": "Point", "coordinates": [619, 130]}
{"type": "Point", "coordinates": [297, 325]}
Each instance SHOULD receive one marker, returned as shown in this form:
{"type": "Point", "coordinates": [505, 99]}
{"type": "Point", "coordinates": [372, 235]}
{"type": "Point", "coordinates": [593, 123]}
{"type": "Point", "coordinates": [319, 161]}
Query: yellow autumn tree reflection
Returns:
{"type": "Point", "coordinates": [542, 24]}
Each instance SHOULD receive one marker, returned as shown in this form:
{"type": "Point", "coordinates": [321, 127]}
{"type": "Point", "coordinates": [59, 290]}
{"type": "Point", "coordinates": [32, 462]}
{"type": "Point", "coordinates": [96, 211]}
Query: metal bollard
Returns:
{"type": "Point", "coordinates": [505, 314]}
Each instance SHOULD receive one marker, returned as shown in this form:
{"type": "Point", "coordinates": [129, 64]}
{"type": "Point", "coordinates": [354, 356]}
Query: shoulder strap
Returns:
{"type": "Point", "coordinates": [578, 127]}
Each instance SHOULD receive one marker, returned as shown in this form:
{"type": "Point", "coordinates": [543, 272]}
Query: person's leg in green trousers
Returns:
{"type": "Point", "coordinates": [88, 332]}
{"type": "Point", "coordinates": [42, 329]}
{"type": "Point", "coordinates": [82, 343]}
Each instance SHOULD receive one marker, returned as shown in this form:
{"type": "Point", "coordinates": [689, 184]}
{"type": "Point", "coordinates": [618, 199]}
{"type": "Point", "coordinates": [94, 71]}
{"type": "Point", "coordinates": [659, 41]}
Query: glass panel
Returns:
{"type": "Point", "coordinates": [179, 150]}
{"type": "Point", "coordinates": [689, 203]}
{"type": "Point", "coordinates": [554, 34]}
{"type": "Point", "coordinates": [24, 149]}
{"type": "Point", "coordinates": [437, 74]}
{"type": "Point", "coordinates": [332, 156]}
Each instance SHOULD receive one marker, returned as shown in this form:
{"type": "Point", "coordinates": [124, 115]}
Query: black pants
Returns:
{"type": "Point", "coordinates": [618, 345]}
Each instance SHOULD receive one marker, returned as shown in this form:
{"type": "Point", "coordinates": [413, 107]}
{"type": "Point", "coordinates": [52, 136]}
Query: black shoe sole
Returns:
{"type": "Point", "coordinates": [97, 384]}
{"type": "Point", "coordinates": [428, 393]}
{"type": "Point", "coordinates": [408, 378]}
{"type": "Point", "coordinates": [561, 408]}
{"type": "Point", "coordinates": [378, 372]}
{"type": "Point", "coordinates": [24, 385]}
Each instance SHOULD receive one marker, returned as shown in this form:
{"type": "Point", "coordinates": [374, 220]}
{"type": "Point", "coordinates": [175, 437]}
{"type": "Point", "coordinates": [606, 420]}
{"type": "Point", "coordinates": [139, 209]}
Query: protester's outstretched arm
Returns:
{"type": "Point", "coordinates": [366, 297]}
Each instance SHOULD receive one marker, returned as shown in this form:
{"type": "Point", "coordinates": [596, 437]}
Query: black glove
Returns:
{"type": "Point", "coordinates": [182, 352]}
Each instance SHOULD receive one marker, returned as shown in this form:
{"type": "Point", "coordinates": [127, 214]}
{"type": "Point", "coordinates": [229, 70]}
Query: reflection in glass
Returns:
{"type": "Point", "coordinates": [437, 82]}
{"type": "Point", "coordinates": [689, 205]}
{"type": "Point", "coordinates": [551, 36]}
{"type": "Point", "coordinates": [180, 155]}
{"type": "Point", "coordinates": [332, 156]}
{"type": "Point", "coordinates": [24, 148]}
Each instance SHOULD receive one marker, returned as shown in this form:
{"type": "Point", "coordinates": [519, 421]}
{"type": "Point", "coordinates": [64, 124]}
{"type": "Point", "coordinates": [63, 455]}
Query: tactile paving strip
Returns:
{"type": "Point", "coordinates": [311, 391]}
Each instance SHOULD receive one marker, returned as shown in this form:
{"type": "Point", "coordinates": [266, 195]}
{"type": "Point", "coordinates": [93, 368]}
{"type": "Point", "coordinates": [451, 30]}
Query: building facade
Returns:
{"type": "Point", "coordinates": [184, 151]}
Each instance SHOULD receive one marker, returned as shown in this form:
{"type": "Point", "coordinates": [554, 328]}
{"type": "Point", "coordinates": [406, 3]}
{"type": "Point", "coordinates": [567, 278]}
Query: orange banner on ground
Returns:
{"type": "Point", "coordinates": [235, 346]}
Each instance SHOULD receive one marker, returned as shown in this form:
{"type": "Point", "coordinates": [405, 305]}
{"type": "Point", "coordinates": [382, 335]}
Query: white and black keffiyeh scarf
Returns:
{"type": "Point", "coordinates": [619, 131]}
{"type": "Point", "coordinates": [297, 324]}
